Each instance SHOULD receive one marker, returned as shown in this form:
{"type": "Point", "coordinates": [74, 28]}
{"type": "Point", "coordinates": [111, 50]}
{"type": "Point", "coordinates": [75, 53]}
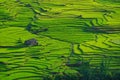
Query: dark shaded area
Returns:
{"type": "Point", "coordinates": [85, 72]}
{"type": "Point", "coordinates": [3, 66]}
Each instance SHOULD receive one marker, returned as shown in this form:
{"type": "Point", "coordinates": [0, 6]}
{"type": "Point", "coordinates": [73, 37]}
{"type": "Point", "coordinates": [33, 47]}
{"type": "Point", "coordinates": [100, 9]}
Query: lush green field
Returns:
{"type": "Point", "coordinates": [78, 39]}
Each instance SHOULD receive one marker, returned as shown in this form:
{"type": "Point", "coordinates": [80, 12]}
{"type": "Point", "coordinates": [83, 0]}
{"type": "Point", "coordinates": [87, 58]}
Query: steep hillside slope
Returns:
{"type": "Point", "coordinates": [78, 39]}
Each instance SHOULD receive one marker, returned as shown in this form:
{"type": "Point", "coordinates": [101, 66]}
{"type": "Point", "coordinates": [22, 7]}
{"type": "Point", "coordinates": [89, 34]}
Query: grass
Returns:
{"type": "Point", "coordinates": [75, 32]}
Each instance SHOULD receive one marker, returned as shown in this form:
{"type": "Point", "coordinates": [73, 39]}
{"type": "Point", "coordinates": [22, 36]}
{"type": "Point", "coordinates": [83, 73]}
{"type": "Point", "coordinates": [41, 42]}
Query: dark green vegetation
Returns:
{"type": "Point", "coordinates": [76, 39]}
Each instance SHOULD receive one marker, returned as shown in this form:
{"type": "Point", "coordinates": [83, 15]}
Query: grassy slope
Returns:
{"type": "Point", "coordinates": [65, 28]}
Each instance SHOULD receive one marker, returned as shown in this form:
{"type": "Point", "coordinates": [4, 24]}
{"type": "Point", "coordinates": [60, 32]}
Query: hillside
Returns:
{"type": "Point", "coordinates": [77, 39]}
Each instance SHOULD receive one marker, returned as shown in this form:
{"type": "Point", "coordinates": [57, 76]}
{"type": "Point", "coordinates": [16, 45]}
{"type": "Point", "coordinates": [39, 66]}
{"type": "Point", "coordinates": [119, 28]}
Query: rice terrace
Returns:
{"type": "Point", "coordinates": [59, 39]}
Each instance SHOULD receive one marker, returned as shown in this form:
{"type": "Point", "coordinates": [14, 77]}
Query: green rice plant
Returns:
{"type": "Point", "coordinates": [79, 39]}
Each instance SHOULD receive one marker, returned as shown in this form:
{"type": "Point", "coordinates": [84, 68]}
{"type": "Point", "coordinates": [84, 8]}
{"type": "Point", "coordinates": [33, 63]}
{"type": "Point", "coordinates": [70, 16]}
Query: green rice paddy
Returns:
{"type": "Point", "coordinates": [68, 31]}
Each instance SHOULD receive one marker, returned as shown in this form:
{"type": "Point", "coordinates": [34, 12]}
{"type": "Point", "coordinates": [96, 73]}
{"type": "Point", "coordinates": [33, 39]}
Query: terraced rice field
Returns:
{"type": "Point", "coordinates": [68, 31]}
